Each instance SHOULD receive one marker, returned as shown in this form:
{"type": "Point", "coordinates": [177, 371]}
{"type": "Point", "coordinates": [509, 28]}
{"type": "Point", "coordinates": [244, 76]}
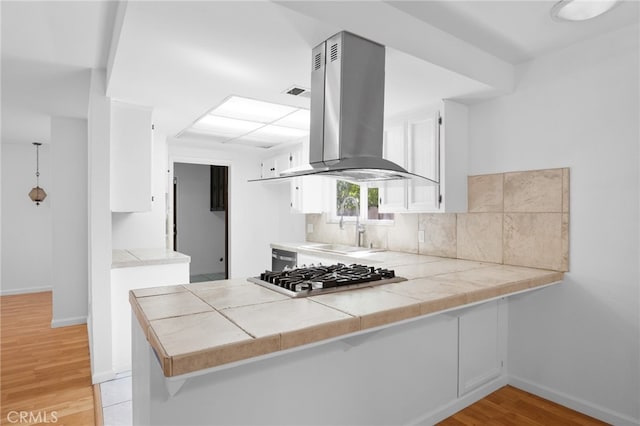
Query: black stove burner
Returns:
{"type": "Point", "coordinates": [324, 277]}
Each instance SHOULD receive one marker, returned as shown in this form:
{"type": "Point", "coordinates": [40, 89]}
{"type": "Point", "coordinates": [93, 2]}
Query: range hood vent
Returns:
{"type": "Point", "coordinates": [347, 113]}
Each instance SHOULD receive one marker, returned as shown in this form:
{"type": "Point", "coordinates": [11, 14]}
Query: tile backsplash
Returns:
{"type": "Point", "coordinates": [515, 218]}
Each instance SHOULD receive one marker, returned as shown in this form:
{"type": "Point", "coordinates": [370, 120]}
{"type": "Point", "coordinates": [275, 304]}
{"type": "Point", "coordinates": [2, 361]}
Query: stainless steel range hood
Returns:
{"type": "Point", "coordinates": [347, 113]}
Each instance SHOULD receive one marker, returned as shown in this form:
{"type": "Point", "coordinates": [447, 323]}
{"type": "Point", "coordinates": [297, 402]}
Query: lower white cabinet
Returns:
{"type": "Point", "coordinates": [479, 354]}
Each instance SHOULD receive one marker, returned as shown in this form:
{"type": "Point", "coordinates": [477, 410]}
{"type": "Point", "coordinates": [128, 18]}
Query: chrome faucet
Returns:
{"type": "Point", "coordinates": [359, 227]}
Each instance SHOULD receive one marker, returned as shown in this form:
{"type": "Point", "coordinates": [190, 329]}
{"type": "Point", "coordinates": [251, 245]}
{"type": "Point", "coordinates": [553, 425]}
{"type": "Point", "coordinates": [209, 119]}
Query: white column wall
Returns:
{"type": "Point", "coordinates": [69, 201]}
{"type": "Point", "coordinates": [578, 343]}
{"type": "Point", "coordinates": [99, 319]}
{"type": "Point", "coordinates": [26, 228]}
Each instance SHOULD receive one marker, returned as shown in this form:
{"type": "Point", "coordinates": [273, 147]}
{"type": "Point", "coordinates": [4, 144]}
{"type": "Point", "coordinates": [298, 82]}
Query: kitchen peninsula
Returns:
{"type": "Point", "coordinates": [233, 352]}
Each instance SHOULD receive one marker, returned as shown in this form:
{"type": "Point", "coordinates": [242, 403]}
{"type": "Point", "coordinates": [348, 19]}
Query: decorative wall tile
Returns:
{"type": "Point", "coordinates": [533, 191]}
{"type": "Point", "coordinates": [565, 190]}
{"type": "Point", "coordinates": [375, 236]}
{"type": "Point", "coordinates": [479, 237]}
{"type": "Point", "coordinates": [564, 263]}
{"type": "Point", "coordinates": [537, 240]}
{"type": "Point", "coordinates": [403, 236]}
{"type": "Point", "coordinates": [317, 221]}
{"type": "Point", "coordinates": [502, 225]}
{"type": "Point", "coordinates": [439, 234]}
{"type": "Point", "coordinates": [485, 193]}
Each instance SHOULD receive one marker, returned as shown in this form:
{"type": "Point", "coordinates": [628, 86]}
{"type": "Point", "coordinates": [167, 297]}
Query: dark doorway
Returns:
{"type": "Point", "coordinates": [201, 217]}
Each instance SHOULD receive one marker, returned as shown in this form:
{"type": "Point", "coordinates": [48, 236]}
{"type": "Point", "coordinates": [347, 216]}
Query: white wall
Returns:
{"type": "Point", "coordinates": [99, 315]}
{"type": "Point", "coordinates": [146, 230]}
{"type": "Point", "coordinates": [26, 228]}
{"type": "Point", "coordinates": [578, 343]}
{"type": "Point", "coordinates": [259, 213]}
{"type": "Point", "coordinates": [200, 231]}
{"type": "Point", "coordinates": [69, 209]}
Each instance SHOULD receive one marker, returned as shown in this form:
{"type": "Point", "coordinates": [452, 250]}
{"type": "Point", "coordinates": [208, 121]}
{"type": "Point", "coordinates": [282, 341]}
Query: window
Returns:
{"type": "Point", "coordinates": [350, 196]}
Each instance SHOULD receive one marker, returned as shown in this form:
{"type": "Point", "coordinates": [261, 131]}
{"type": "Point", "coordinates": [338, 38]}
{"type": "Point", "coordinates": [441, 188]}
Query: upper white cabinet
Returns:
{"type": "Point", "coordinates": [306, 191]}
{"type": "Point", "coordinates": [393, 193]}
{"type": "Point", "coordinates": [273, 166]}
{"type": "Point", "coordinates": [131, 156]}
{"type": "Point", "coordinates": [431, 143]}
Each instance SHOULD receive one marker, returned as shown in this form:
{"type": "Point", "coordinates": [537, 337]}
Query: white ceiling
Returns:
{"type": "Point", "coordinates": [183, 58]}
{"type": "Point", "coordinates": [48, 50]}
{"type": "Point", "coordinates": [516, 30]}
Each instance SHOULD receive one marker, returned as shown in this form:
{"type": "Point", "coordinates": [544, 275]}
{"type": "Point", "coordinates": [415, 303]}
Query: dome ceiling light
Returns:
{"type": "Point", "coordinates": [580, 10]}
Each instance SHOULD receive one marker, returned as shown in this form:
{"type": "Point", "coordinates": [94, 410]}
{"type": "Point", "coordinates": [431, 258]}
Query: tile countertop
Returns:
{"type": "Point", "coordinates": [197, 326]}
{"type": "Point", "coordinates": [146, 256]}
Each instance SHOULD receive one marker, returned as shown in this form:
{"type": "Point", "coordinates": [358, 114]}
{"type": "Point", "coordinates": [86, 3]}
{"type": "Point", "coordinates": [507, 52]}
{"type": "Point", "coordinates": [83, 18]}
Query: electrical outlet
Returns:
{"type": "Point", "coordinates": [309, 228]}
{"type": "Point", "coordinates": [421, 236]}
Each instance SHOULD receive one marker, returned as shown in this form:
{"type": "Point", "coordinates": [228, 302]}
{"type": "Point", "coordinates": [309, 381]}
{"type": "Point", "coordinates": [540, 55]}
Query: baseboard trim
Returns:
{"type": "Point", "coordinates": [11, 292]}
{"type": "Point", "coordinates": [582, 406]}
{"type": "Point", "coordinates": [453, 407]}
{"type": "Point", "coordinates": [68, 321]}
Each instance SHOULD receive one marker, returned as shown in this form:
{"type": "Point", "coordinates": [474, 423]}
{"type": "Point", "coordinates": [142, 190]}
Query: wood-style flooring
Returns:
{"type": "Point", "coordinates": [45, 372]}
{"type": "Point", "coordinates": [515, 407]}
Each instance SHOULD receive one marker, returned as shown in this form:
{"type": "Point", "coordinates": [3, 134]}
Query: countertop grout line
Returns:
{"type": "Point", "coordinates": [225, 316]}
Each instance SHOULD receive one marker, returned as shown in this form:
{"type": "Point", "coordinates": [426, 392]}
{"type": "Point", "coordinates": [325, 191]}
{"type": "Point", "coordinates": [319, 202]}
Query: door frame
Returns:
{"type": "Point", "coordinates": [171, 202]}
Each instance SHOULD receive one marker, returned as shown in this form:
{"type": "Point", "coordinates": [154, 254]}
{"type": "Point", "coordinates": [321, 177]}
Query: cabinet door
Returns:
{"type": "Point", "coordinates": [393, 194]}
{"type": "Point", "coordinates": [131, 152]}
{"type": "Point", "coordinates": [307, 194]}
{"type": "Point", "coordinates": [423, 159]}
{"type": "Point", "coordinates": [479, 354]}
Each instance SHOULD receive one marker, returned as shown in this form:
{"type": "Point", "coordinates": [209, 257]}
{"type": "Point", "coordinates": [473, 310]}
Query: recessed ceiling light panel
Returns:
{"type": "Point", "coordinates": [223, 126]}
{"type": "Point", "coordinates": [298, 120]}
{"type": "Point", "coordinates": [251, 110]}
{"type": "Point", "coordinates": [580, 10]}
{"type": "Point", "coordinates": [245, 121]}
{"type": "Point", "coordinates": [271, 133]}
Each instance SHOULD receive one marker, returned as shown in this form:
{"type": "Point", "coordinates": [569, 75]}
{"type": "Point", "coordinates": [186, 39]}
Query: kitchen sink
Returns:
{"type": "Point", "coordinates": [341, 249]}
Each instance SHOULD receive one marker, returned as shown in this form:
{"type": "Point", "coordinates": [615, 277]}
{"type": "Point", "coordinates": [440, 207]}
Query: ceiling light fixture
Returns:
{"type": "Point", "coordinates": [580, 10]}
{"type": "Point", "coordinates": [251, 122]}
{"type": "Point", "coordinates": [37, 194]}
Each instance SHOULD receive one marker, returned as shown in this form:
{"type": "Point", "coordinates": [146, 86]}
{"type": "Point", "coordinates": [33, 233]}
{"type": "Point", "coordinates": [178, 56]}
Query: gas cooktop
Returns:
{"type": "Point", "coordinates": [313, 280]}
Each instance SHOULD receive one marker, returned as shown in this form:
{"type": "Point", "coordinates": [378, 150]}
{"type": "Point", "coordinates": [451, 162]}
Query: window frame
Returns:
{"type": "Point", "coordinates": [334, 216]}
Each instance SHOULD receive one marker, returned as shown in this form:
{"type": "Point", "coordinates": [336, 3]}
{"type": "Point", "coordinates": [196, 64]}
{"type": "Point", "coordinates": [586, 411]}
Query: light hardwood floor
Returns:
{"type": "Point", "coordinates": [512, 406]}
{"type": "Point", "coordinates": [44, 371]}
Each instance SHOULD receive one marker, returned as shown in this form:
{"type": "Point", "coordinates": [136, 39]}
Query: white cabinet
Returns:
{"type": "Point", "coordinates": [423, 143]}
{"type": "Point", "coordinates": [273, 166]}
{"type": "Point", "coordinates": [394, 148]}
{"type": "Point", "coordinates": [131, 156]}
{"type": "Point", "coordinates": [479, 354]}
{"type": "Point", "coordinates": [432, 143]}
{"type": "Point", "coordinates": [306, 191]}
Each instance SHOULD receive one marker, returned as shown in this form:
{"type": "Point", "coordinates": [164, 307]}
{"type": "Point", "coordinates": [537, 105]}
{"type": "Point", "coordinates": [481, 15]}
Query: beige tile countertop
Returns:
{"type": "Point", "coordinates": [198, 326]}
{"type": "Point", "coordinates": [121, 258]}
